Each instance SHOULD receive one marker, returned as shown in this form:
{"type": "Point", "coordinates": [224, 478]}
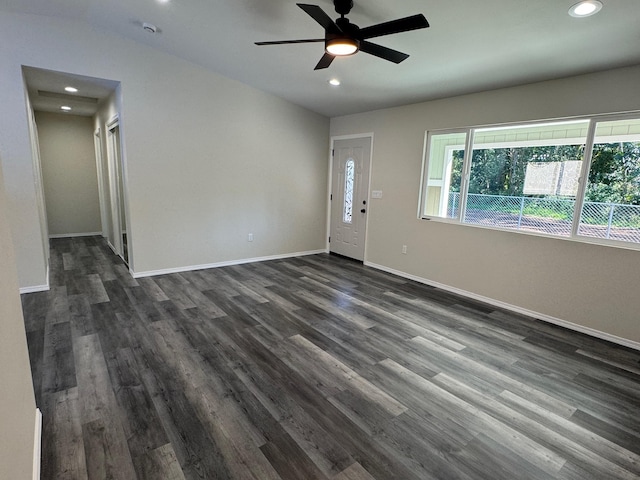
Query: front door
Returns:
{"type": "Point", "coordinates": [350, 196]}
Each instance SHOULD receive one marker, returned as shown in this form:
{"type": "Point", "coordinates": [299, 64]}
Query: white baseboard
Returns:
{"type": "Point", "coordinates": [35, 288]}
{"type": "Point", "coordinates": [514, 308]}
{"type": "Point", "coordinates": [113, 249]}
{"type": "Point", "coordinates": [71, 235]}
{"type": "Point", "coordinates": [152, 273]}
{"type": "Point", "coordinates": [37, 445]}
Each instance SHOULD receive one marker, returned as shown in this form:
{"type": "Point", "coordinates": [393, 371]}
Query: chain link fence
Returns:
{"type": "Point", "coordinates": [611, 220]}
{"type": "Point", "coordinates": [550, 215]}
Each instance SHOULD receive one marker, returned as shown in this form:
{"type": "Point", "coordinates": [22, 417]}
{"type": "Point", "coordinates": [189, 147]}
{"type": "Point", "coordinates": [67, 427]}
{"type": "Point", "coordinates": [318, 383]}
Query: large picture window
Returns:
{"type": "Point", "coordinates": [577, 178]}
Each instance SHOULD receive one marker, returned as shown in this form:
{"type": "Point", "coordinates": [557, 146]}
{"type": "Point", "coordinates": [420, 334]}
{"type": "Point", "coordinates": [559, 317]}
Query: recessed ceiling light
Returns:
{"type": "Point", "coordinates": [585, 8]}
{"type": "Point", "coordinates": [71, 89]}
{"type": "Point", "coordinates": [335, 82]}
{"type": "Point", "coordinates": [65, 108]}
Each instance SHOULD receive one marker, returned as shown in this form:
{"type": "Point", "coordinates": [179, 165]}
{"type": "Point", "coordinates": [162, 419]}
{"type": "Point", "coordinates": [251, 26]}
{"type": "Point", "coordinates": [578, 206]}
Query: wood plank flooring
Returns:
{"type": "Point", "coordinates": [314, 368]}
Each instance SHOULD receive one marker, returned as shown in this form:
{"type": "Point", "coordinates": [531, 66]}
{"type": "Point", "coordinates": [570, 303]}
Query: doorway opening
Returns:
{"type": "Point", "coordinates": [94, 203]}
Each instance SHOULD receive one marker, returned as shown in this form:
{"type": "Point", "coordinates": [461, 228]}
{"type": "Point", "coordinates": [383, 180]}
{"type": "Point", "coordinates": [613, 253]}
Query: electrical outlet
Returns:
{"type": "Point", "coordinates": [404, 249]}
{"type": "Point", "coordinates": [250, 237]}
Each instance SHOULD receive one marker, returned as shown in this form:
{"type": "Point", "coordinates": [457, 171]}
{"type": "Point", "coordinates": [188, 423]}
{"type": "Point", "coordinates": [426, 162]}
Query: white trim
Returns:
{"type": "Point", "coordinates": [583, 179]}
{"type": "Point", "coordinates": [152, 273]}
{"type": "Point", "coordinates": [629, 114]}
{"type": "Point", "coordinates": [514, 308]}
{"type": "Point", "coordinates": [37, 445]}
{"type": "Point", "coordinates": [327, 235]}
{"type": "Point", "coordinates": [426, 164]}
{"type": "Point", "coordinates": [112, 122]}
{"type": "Point", "coordinates": [351, 136]}
{"type": "Point", "coordinates": [98, 152]}
{"type": "Point", "coordinates": [113, 249]}
{"type": "Point", "coordinates": [70, 235]}
{"type": "Point", "coordinates": [35, 288]}
{"type": "Point", "coordinates": [114, 160]}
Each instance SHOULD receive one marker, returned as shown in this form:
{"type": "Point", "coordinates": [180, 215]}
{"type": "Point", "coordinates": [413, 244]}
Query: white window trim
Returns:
{"type": "Point", "coordinates": [425, 167]}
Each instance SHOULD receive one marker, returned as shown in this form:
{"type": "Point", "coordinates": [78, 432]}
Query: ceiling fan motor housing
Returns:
{"type": "Point", "coordinates": [346, 29]}
{"type": "Point", "coordinates": [343, 7]}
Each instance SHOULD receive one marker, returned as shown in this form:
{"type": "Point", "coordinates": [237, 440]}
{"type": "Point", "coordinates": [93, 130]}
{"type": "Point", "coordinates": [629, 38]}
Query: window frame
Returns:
{"type": "Point", "coordinates": [425, 174]}
{"type": "Point", "coordinates": [466, 172]}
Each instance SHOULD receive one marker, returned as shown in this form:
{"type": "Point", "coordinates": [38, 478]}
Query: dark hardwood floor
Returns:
{"type": "Point", "coordinates": [314, 368]}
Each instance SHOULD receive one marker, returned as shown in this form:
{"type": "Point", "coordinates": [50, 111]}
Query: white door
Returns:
{"type": "Point", "coordinates": [350, 196]}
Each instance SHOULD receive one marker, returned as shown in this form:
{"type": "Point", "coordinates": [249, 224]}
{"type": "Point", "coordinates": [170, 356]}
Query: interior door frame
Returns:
{"type": "Point", "coordinates": [120, 196]}
{"type": "Point", "coordinates": [100, 160]}
{"type": "Point", "coordinates": [334, 138]}
{"type": "Point", "coordinates": [112, 158]}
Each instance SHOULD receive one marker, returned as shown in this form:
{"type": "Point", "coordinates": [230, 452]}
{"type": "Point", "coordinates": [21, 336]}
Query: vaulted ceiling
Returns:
{"type": "Point", "coordinates": [470, 46]}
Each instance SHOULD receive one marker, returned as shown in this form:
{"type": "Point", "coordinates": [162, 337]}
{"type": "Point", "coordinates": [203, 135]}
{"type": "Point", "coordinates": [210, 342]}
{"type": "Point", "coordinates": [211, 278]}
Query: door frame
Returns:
{"type": "Point", "coordinates": [120, 196]}
{"type": "Point", "coordinates": [112, 158]}
{"type": "Point", "coordinates": [100, 161]}
{"type": "Point", "coordinates": [330, 187]}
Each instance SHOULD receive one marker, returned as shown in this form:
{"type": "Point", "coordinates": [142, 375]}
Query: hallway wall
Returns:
{"type": "Point", "coordinates": [208, 159]}
{"type": "Point", "coordinates": [69, 173]}
{"type": "Point", "coordinates": [17, 401]}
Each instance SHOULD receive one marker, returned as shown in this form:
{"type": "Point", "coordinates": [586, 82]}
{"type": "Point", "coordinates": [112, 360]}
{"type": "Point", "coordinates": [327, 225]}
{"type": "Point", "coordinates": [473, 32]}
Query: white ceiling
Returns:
{"type": "Point", "coordinates": [471, 46]}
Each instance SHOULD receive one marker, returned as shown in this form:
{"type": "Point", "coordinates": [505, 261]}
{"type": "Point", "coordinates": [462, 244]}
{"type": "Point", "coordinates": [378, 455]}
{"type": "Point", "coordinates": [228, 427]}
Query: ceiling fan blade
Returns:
{"type": "Point", "coordinates": [284, 42]}
{"type": "Point", "coordinates": [325, 61]}
{"type": "Point", "coordinates": [383, 52]}
{"type": "Point", "coordinates": [320, 16]}
{"type": "Point", "coordinates": [394, 26]}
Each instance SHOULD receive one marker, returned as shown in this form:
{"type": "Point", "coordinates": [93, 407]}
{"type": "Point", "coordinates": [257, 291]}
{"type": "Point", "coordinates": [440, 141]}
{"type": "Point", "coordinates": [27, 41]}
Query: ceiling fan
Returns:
{"type": "Point", "coordinates": [343, 38]}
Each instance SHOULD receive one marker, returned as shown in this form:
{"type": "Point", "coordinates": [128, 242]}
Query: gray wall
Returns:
{"type": "Point", "coordinates": [17, 401]}
{"type": "Point", "coordinates": [208, 159]}
{"type": "Point", "coordinates": [70, 179]}
{"type": "Point", "coordinates": [588, 285]}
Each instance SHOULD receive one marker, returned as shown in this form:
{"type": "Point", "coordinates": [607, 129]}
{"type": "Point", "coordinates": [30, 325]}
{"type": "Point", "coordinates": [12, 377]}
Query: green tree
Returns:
{"type": "Point", "coordinates": [614, 176]}
{"type": "Point", "coordinates": [502, 171]}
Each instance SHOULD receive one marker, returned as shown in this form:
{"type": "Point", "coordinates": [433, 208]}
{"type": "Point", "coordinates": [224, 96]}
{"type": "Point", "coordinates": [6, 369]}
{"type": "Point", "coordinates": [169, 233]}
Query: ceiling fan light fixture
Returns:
{"type": "Point", "coordinates": [585, 8]}
{"type": "Point", "coordinates": [341, 47]}
{"type": "Point", "coordinates": [343, 38]}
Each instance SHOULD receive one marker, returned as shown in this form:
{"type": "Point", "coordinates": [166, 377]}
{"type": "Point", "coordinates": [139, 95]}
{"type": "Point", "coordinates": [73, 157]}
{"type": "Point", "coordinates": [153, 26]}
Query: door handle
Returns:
{"type": "Point", "coordinates": [363, 211]}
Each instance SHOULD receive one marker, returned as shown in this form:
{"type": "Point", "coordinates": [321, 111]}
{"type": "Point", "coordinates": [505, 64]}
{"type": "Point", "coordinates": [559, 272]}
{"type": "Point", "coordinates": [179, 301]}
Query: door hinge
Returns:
{"type": "Point", "coordinates": [329, 239]}
{"type": "Point", "coordinates": [331, 197]}
{"type": "Point", "coordinates": [333, 152]}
